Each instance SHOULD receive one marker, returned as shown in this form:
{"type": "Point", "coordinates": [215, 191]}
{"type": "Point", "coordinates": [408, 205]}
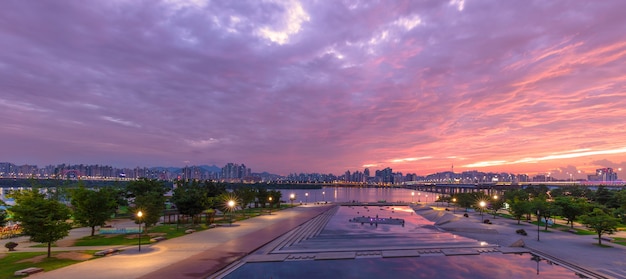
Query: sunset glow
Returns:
{"type": "Point", "coordinates": [316, 86]}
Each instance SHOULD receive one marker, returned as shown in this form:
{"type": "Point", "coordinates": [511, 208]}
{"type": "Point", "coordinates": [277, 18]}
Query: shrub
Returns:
{"type": "Point", "coordinates": [10, 245]}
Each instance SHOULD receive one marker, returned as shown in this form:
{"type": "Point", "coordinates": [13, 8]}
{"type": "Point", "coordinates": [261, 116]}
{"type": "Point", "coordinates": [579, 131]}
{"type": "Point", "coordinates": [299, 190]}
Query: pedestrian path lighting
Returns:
{"type": "Point", "coordinates": [495, 198]}
{"type": "Point", "coordinates": [482, 207]}
{"type": "Point", "coordinates": [292, 197]}
{"type": "Point", "coordinates": [306, 198]}
{"type": "Point", "coordinates": [412, 195]}
{"type": "Point", "coordinates": [419, 194]}
{"type": "Point", "coordinates": [231, 206]}
{"type": "Point", "coordinates": [324, 196]}
{"type": "Point", "coordinates": [270, 205]}
{"type": "Point", "coordinates": [454, 208]}
{"type": "Point", "coordinates": [139, 214]}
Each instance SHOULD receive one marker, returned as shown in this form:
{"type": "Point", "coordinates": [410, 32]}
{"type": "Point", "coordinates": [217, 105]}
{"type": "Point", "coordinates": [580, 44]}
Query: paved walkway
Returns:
{"type": "Point", "coordinates": [578, 250]}
{"type": "Point", "coordinates": [196, 255]}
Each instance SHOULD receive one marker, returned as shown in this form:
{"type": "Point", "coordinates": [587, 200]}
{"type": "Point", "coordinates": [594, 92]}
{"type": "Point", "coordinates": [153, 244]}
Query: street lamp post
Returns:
{"type": "Point", "coordinates": [412, 195]}
{"type": "Point", "coordinates": [419, 195]}
{"type": "Point", "coordinates": [482, 207]}
{"type": "Point", "coordinates": [291, 198]}
{"type": "Point", "coordinates": [538, 218]}
{"type": "Point", "coordinates": [495, 198]}
{"type": "Point", "coordinates": [139, 214]}
{"type": "Point", "coordinates": [454, 208]}
{"type": "Point", "coordinates": [306, 198]}
{"type": "Point", "coordinates": [324, 196]}
{"type": "Point", "coordinates": [231, 205]}
{"type": "Point", "coordinates": [270, 205]}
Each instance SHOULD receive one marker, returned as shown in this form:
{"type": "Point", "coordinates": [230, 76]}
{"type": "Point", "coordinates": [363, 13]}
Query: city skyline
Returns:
{"type": "Point", "coordinates": [289, 86]}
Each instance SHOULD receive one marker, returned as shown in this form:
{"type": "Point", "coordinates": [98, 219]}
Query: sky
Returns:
{"type": "Point", "coordinates": [534, 87]}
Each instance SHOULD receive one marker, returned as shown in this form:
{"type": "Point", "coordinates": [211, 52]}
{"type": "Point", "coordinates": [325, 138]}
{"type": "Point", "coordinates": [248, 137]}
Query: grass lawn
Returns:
{"type": "Point", "coordinates": [166, 230]}
{"type": "Point", "coordinates": [14, 261]}
{"type": "Point", "coordinates": [619, 240]}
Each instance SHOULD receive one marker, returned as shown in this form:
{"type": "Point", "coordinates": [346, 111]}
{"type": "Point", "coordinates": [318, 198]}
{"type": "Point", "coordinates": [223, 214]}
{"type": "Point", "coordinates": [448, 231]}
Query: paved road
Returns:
{"type": "Point", "coordinates": [196, 255]}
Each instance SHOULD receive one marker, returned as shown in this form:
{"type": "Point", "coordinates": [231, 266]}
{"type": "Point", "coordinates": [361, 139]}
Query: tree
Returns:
{"type": "Point", "coordinates": [518, 208]}
{"type": "Point", "coordinates": [93, 207]}
{"type": "Point", "coordinates": [246, 196]}
{"type": "Point", "coordinates": [496, 204]}
{"type": "Point", "coordinates": [147, 195]}
{"type": "Point", "coordinates": [190, 198]}
{"type": "Point", "coordinates": [600, 222]}
{"type": "Point", "coordinates": [604, 197]}
{"type": "Point", "coordinates": [465, 200]}
{"type": "Point", "coordinates": [262, 196]}
{"type": "Point", "coordinates": [276, 196]}
{"type": "Point", "coordinates": [214, 193]}
{"type": "Point", "coordinates": [545, 209]}
{"type": "Point", "coordinates": [45, 221]}
{"type": "Point", "coordinates": [571, 208]}
{"type": "Point", "coordinates": [3, 215]}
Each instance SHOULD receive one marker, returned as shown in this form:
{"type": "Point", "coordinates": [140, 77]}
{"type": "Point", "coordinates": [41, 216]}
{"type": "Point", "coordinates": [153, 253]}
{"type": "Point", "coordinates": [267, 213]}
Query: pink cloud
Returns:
{"type": "Point", "coordinates": [352, 85]}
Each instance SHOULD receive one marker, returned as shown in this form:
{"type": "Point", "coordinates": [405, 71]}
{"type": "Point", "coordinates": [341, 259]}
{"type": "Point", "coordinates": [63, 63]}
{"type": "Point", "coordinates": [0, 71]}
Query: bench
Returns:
{"type": "Point", "coordinates": [157, 239]}
{"type": "Point", "coordinates": [28, 271]}
{"type": "Point", "coordinates": [106, 252]}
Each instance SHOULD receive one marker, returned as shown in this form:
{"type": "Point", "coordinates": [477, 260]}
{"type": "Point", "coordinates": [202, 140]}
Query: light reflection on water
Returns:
{"type": "Point", "coordinates": [348, 194]}
{"type": "Point", "coordinates": [478, 267]}
{"type": "Point", "coordinates": [484, 266]}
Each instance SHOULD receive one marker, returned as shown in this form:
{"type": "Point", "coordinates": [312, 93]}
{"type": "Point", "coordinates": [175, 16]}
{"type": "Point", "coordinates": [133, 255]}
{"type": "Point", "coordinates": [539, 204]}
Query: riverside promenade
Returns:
{"type": "Point", "coordinates": [575, 251]}
{"type": "Point", "coordinates": [197, 255]}
{"type": "Point", "coordinates": [204, 253]}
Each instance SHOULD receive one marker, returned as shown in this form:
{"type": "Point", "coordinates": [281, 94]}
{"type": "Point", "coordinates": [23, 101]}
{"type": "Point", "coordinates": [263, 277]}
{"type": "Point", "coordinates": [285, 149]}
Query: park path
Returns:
{"type": "Point", "coordinates": [197, 255]}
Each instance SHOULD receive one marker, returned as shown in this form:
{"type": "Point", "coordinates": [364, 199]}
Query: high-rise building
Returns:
{"type": "Point", "coordinates": [604, 174]}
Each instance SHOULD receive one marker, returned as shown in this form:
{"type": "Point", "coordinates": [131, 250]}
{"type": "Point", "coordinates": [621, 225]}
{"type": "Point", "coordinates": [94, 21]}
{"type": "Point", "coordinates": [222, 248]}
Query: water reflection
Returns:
{"type": "Point", "coordinates": [348, 194]}
{"type": "Point", "coordinates": [479, 267]}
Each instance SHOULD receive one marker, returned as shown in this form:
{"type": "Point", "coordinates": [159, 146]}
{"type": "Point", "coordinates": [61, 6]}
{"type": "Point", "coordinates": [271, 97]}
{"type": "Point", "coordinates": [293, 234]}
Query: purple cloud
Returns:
{"type": "Point", "coordinates": [289, 86]}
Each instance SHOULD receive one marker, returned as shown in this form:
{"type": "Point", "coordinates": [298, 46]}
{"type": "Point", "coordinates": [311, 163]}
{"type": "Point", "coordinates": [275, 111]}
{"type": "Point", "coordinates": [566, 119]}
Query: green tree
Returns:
{"type": "Point", "coordinates": [465, 200]}
{"type": "Point", "coordinates": [262, 196]}
{"type": "Point", "coordinates": [519, 207]}
{"type": "Point", "coordinates": [605, 197]}
{"type": "Point", "coordinates": [544, 208]}
{"type": "Point", "coordinates": [214, 193]}
{"type": "Point", "coordinates": [496, 204]}
{"type": "Point", "coordinates": [3, 217]}
{"type": "Point", "coordinates": [45, 221]}
{"type": "Point", "coordinates": [571, 208]}
{"type": "Point", "coordinates": [246, 196]}
{"type": "Point", "coordinates": [93, 207]}
{"type": "Point", "coordinates": [147, 195]}
{"type": "Point", "coordinates": [191, 198]}
{"type": "Point", "coordinates": [276, 196]}
{"type": "Point", "coordinates": [600, 222]}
